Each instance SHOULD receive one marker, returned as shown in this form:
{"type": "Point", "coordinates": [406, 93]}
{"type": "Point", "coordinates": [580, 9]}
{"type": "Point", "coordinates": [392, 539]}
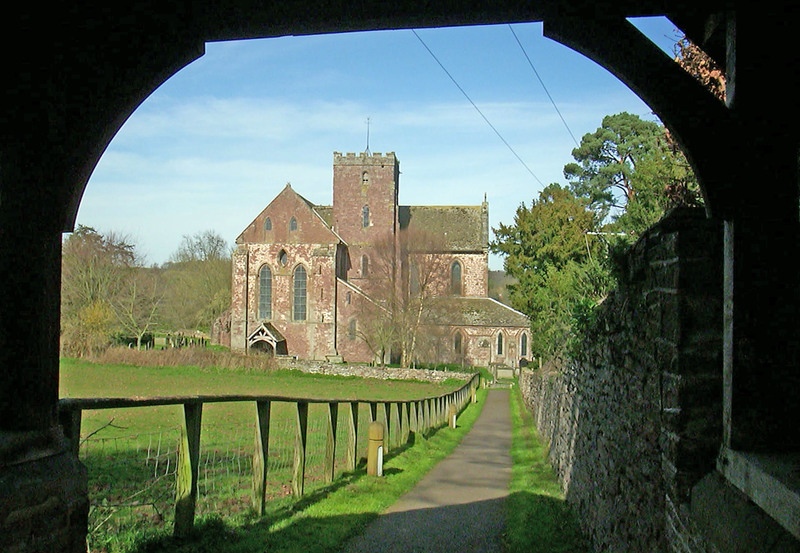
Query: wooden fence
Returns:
{"type": "Point", "coordinates": [417, 416]}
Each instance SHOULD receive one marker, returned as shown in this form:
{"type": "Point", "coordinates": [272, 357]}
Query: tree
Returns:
{"type": "Point", "coordinates": [631, 170]}
{"type": "Point", "coordinates": [198, 278]}
{"type": "Point", "coordinates": [700, 65]}
{"type": "Point", "coordinates": [405, 278]}
{"type": "Point", "coordinates": [138, 302]}
{"type": "Point", "coordinates": [560, 268]}
{"type": "Point", "coordinates": [92, 272]}
{"type": "Point", "coordinates": [606, 160]}
{"type": "Point", "coordinates": [552, 231]}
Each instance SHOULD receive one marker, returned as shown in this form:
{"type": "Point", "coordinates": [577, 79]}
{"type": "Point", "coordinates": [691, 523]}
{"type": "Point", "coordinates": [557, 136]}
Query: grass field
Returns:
{"type": "Point", "coordinates": [537, 516]}
{"type": "Point", "coordinates": [131, 453]}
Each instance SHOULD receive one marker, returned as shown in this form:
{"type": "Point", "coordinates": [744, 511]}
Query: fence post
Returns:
{"type": "Point", "coordinates": [71, 425]}
{"type": "Point", "coordinates": [387, 425]}
{"type": "Point", "coordinates": [427, 411]}
{"type": "Point", "coordinates": [352, 435]}
{"type": "Point", "coordinates": [405, 421]}
{"type": "Point", "coordinates": [394, 412]}
{"type": "Point", "coordinates": [299, 472]}
{"type": "Point", "coordinates": [330, 445]}
{"type": "Point", "coordinates": [188, 468]}
{"type": "Point", "coordinates": [261, 456]}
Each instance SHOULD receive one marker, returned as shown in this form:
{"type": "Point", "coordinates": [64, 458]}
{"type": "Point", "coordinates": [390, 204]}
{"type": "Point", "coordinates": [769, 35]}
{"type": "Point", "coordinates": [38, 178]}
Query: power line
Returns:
{"type": "Point", "coordinates": [543, 86]}
{"type": "Point", "coordinates": [477, 108]}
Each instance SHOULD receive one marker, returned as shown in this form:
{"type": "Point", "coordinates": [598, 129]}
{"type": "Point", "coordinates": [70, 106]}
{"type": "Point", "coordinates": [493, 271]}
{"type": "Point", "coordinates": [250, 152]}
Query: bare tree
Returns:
{"type": "Point", "coordinates": [198, 278]}
{"type": "Point", "coordinates": [92, 271]}
{"type": "Point", "coordinates": [409, 272]}
{"type": "Point", "coordinates": [138, 302]}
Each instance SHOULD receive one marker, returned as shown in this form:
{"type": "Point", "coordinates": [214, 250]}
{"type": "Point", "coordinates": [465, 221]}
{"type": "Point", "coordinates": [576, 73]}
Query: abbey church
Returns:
{"type": "Point", "coordinates": [366, 279]}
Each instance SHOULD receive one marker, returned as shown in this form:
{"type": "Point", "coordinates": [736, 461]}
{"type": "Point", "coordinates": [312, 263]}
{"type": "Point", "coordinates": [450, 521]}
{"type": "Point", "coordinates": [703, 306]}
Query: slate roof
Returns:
{"type": "Point", "coordinates": [325, 212]}
{"type": "Point", "coordinates": [475, 311]}
{"type": "Point", "coordinates": [462, 227]}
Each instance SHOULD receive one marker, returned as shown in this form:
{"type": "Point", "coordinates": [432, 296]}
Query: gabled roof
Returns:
{"type": "Point", "coordinates": [463, 228]}
{"type": "Point", "coordinates": [320, 213]}
{"type": "Point", "coordinates": [266, 332]}
{"type": "Point", "coordinates": [475, 311]}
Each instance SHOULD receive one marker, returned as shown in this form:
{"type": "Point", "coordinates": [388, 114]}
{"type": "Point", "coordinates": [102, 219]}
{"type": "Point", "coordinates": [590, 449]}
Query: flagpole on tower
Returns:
{"type": "Point", "coordinates": [367, 150]}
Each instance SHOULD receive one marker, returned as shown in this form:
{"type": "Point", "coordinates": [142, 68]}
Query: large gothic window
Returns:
{"type": "Point", "coordinates": [455, 278]}
{"type": "Point", "coordinates": [265, 293]}
{"type": "Point", "coordinates": [365, 216]}
{"type": "Point", "coordinates": [523, 345]}
{"type": "Point", "coordinates": [299, 305]}
{"type": "Point", "coordinates": [499, 343]}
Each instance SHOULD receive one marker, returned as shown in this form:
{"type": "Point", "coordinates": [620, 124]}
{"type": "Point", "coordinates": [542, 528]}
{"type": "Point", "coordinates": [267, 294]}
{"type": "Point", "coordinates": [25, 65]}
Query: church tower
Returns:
{"type": "Point", "coordinates": [365, 191]}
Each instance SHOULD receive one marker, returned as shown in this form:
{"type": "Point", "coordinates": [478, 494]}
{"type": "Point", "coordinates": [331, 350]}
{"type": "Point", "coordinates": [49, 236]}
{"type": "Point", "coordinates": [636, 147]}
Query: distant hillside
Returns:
{"type": "Point", "coordinates": [498, 282]}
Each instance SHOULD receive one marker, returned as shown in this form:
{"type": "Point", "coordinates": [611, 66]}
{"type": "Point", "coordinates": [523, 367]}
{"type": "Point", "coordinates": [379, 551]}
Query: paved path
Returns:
{"type": "Point", "coordinates": [458, 506]}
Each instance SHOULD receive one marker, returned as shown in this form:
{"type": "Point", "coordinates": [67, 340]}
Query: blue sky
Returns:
{"type": "Point", "coordinates": [215, 143]}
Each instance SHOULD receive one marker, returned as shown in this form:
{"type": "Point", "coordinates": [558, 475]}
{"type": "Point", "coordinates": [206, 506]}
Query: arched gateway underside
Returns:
{"type": "Point", "coordinates": [76, 71]}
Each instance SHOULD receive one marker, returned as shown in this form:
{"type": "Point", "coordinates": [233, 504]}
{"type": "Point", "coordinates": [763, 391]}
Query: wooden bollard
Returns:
{"type": "Point", "coordinates": [451, 415]}
{"type": "Point", "coordinates": [375, 449]}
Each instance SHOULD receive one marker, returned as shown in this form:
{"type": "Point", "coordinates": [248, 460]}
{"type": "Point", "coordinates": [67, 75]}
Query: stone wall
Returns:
{"type": "Point", "coordinates": [634, 422]}
{"type": "Point", "coordinates": [368, 371]}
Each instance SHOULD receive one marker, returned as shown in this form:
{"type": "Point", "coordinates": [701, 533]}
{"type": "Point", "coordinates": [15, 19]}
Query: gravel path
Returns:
{"type": "Point", "coordinates": [459, 505]}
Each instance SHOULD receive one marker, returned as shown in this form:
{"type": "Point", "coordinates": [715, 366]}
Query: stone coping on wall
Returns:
{"type": "Point", "coordinates": [368, 371]}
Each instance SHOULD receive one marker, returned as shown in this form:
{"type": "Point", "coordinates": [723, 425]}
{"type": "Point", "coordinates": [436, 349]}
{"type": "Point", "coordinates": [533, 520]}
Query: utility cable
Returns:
{"type": "Point", "coordinates": [543, 86]}
{"type": "Point", "coordinates": [500, 136]}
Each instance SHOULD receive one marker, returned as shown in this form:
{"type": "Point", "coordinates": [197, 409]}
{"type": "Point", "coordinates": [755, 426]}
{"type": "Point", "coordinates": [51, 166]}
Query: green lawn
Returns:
{"type": "Point", "coordinates": [131, 453]}
{"type": "Point", "coordinates": [86, 379]}
{"type": "Point", "coordinates": [538, 518]}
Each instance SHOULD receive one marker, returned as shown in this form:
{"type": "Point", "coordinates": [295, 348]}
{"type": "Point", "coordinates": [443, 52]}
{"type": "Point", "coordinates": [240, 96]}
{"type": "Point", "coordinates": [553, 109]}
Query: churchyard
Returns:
{"type": "Point", "coordinates": [132, 453]}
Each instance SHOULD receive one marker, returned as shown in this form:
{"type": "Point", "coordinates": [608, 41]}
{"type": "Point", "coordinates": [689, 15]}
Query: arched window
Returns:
{"type": "Point", "coordinates": [523, 345]}
{"type": "Point", "coordinates": [457, 344]}
{"type": "Point", "coordinates": [351, 329]}
{"type": "Point", "coordinates": [365, 216]}
{"type": "Point", "coordinates": [299, 306]}
{"type": "Point", "coordinates": [293, 224]}
{"type": "Point", "coordinates": [364, 265]}
{"type": "Point", "coordinates": [499, 343]}
{"type": "Point", "coordinates": [364, 178]}
{"type": "Point", "coordinates": [265, 293]}
{"type": "Point", "coordinates": [455, 278]}
{"type": "Point", "coordinates": [267, 224]}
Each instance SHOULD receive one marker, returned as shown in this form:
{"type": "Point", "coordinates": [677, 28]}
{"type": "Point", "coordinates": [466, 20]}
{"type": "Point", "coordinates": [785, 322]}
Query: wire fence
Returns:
{"type": "Point", "coordinates": [132, 479]}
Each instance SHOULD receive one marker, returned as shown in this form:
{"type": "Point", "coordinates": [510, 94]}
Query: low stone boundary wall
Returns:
{"type": "Point", "coordinates": [368, 371]}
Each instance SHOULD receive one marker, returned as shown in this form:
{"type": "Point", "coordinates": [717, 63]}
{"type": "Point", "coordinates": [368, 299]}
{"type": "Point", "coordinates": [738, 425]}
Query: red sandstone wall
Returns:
{"type": "Point", "coordinates": [351, 193]}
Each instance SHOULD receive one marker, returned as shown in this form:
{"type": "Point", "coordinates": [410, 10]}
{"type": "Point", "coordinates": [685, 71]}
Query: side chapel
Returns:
{"type": "Point", "coordinates": [303, 274]}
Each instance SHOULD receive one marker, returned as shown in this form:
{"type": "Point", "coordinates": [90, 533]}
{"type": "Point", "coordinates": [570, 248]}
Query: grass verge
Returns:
{"type": "Point", "coordinates": [325, 519]}
{"type": "Point", "coordinates": [538, 518]}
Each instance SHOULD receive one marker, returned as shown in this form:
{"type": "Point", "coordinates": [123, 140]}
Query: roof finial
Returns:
{"type": "Point", "coordinates": [367, 150]}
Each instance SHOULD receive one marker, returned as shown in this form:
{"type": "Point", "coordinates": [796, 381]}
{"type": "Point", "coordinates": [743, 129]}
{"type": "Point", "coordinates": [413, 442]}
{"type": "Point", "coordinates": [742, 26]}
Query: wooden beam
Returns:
{"type": "Point", "coordinates": [330, 444]}
{"type": "Point", "coordinates": [261, 456]}
{"type": "Point", "coordinates": [352, 435]}
{"type": "Point", "coordinates": [188, 469]}
{"type": "Point", "coordinates": [301, 436]}
{"type": "Point", "coordinates": [71, 425]}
